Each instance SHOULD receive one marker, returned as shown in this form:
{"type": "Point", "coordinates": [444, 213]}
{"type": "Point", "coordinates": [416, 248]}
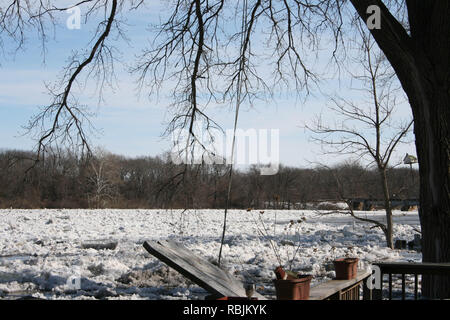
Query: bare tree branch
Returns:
{"type": "Point", "coordinates": [65, 111]}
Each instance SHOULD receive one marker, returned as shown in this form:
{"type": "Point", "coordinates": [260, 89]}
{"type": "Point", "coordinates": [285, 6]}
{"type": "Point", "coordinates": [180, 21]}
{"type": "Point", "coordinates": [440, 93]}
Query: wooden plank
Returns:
{"type": "Point", "coordinates": [329, 288]}
{"type": "Point", "coordinates": [208, 267]}
{"type": "Point", "coordinates": [198, 271]}
{"type": "Point", "coordinates": [194, 269]}
{"type": "Point", "coordinates": [203, 273]}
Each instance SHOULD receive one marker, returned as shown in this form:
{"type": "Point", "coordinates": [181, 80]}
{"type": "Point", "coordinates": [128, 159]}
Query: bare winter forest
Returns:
{"type": "Point", "coordinates": [65, 180]}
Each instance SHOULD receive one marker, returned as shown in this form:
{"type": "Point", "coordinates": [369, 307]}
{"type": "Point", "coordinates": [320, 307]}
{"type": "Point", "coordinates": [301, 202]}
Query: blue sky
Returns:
{"type": "Point", "coordinates": [132, 125]}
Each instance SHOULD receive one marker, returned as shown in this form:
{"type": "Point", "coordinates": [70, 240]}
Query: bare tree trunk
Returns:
{"type": "Point", "coordinates": [387, 206]}
{"type": "Point", "coordinates": [429, 97]}
{"type": "Point", "coordinates": [421, 60]}
{"type": "Point", "coordinates": [433, 150]}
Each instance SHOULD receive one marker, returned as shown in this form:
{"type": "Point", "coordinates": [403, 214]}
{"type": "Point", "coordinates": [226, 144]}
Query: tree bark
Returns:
{"type": "Point", "coordinates": [433, 149]}
{"type": "Point", "coordinates": [388, 209]}
{"type": "Point", "coordinates": [421, 60]}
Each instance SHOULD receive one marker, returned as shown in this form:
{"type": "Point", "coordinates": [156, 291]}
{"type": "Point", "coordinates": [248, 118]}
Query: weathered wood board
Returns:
{"type": "Point", "coordinates": [203, 273]}
{"type": "Point", "coordinates": [328, 288]}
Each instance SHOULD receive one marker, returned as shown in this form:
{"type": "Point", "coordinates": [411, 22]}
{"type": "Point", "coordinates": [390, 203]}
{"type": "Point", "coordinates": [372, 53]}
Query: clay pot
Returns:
{"type": "Point", "coordinates": [346, 268]}
{"type": "Point", "coordinates": [293, 289]}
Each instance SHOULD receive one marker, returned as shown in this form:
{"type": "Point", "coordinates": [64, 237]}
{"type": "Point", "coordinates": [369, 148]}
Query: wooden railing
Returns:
{"type": "Point", "coordinates": [341, 289]}
{"type": "Point", "coordinates": [403, 269]}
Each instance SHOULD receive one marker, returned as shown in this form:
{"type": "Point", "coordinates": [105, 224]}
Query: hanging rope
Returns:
{"type": "Point", "coordinates": [236, 116]}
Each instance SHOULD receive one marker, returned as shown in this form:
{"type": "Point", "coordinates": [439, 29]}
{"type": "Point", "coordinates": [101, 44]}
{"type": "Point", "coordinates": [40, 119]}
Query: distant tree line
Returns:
{"type": "Point", "coordinates": [66, 180]}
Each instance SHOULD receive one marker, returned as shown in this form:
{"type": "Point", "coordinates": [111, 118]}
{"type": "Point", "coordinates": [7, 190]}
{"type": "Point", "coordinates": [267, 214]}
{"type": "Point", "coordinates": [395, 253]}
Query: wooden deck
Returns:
{"type": "Point", "coordinates": [220, 283]}
{"type": "Point", "coordinates": [333, 288]}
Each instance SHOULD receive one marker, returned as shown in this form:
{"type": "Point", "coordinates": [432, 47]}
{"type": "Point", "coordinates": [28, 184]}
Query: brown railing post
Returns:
{"type": "Point", "coordinates": [377, 294]}
{"type": "Point", "coordinates": [367, 293]}
{"type": "Point", "coordinates": [390, 286]}
{"type": "Point", "coordinates": [403, 287]}
{"type": "Point", "coordinates": [416, 285]}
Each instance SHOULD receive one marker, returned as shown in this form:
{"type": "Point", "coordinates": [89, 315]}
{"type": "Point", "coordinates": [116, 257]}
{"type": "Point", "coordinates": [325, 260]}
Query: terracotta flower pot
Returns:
{"type": "Point", "coordinates": [346, 268]}
{"type": "Point", "coordinates": [293, 289]}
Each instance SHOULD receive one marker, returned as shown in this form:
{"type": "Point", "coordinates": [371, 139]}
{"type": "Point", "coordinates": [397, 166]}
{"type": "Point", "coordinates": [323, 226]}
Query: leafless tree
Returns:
{"type": "Point", "coordinates": [367, 129]}
{"type": "Point", "coordinates": [103, 178]}
{"type": "Point", "coordinates": [208, 60]}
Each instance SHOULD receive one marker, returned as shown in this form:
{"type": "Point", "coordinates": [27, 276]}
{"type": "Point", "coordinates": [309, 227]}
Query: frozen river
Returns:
{"type": "Point", "coordinates": [42, 250]}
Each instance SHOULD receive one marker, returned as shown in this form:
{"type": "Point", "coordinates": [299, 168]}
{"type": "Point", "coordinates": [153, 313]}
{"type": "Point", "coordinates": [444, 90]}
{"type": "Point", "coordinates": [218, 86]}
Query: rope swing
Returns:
{"type": "Point", "coordinates": [236, 116]}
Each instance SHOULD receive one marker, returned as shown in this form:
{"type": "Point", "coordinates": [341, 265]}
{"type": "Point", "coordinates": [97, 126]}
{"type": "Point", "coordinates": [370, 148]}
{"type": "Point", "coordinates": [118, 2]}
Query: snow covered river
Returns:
{"type": "Point", "coordinates": [43, 252]}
